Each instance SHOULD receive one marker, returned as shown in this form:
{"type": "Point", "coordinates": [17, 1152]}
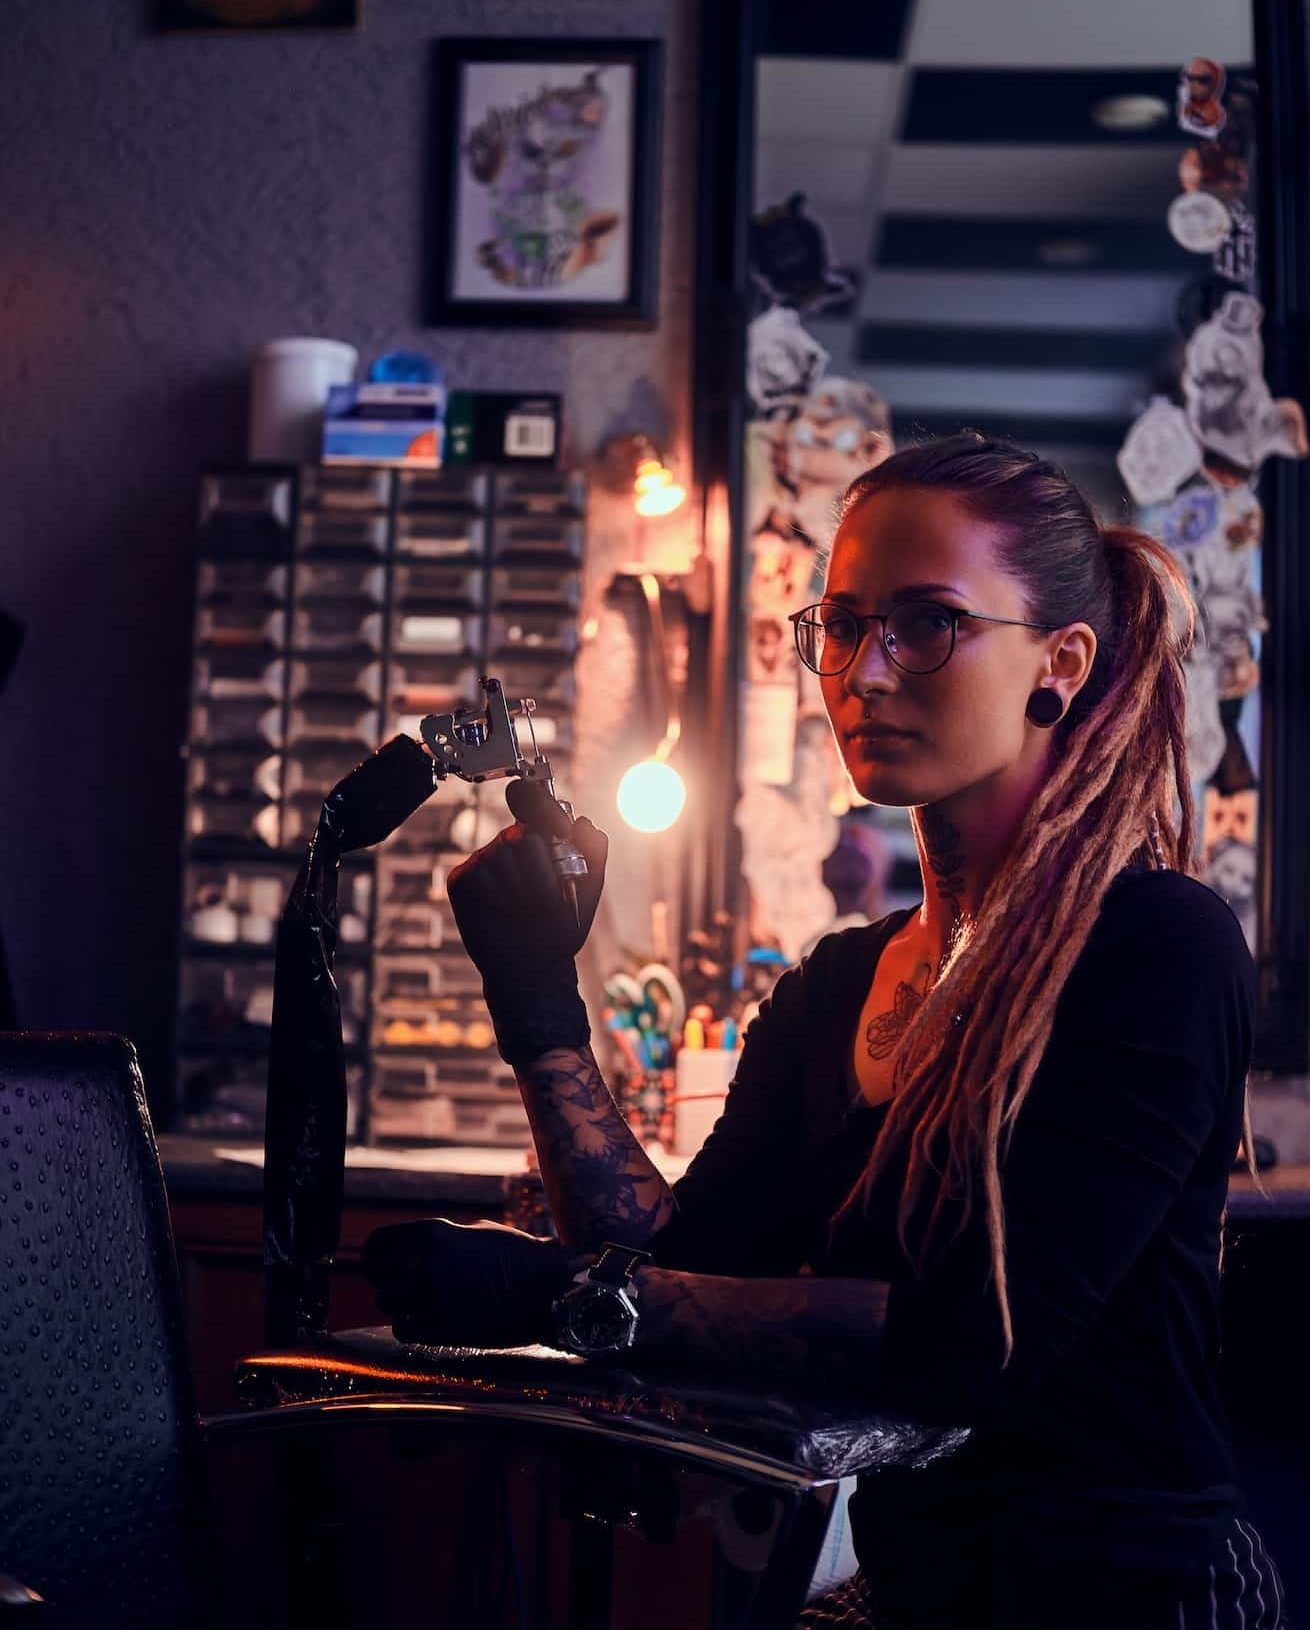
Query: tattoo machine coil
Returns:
{"type": "Point", "coordinates": [481, 744]}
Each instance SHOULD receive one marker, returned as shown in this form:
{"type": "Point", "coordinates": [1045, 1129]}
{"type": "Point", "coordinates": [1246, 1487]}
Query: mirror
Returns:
{"type": "Point", "coordinates": [1049, 226]}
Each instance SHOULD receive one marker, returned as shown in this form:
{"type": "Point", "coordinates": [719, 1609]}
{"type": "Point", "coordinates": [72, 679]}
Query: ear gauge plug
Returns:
{"type": "Point", "coordinates": [1044, 708]}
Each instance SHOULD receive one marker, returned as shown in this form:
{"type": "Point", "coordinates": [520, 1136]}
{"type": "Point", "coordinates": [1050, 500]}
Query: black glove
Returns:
{"type": "Point", "coordinates": [519, 929]}
{"type": "Point", "coordinates": [468, 1285]}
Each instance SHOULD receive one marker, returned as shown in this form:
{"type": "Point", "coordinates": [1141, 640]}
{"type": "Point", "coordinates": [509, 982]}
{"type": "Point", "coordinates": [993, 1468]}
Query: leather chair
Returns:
{"type": "Point", "coordinates": [555, 1473]}
{"type": "Point", "coordinates": [103, 1497]}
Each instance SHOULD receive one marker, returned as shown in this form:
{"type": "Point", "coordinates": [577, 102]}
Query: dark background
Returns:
{"type": "Point", "coordinates": [169, 202]}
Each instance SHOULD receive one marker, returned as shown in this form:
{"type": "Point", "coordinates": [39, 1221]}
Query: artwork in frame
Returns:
{"type": "Point", "coordinates": [546, 159]}
{"type": "Point", "coordinates": [254, 16]}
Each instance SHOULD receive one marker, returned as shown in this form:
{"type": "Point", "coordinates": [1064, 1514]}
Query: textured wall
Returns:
{"type": "Point", "coordinates": [167, 203]}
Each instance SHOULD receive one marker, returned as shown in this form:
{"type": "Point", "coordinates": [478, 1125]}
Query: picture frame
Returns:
{"type": "Point", "coordinates": [254, 16]}
{"type": "Point", "coordinates": [545, 183]}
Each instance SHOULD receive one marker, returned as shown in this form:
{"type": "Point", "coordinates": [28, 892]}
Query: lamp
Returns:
{"type": "Point", "coordinates": [652, 794]}
{"type": "Point", "coordinates": [635, 461]}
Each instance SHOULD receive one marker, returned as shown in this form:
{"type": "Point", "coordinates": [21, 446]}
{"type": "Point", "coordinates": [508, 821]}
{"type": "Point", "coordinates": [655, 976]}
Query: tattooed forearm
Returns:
{"type": "Point", "coordinates": [806, 1329]}
{"type": "Point", "coordinates": [600, 1185]}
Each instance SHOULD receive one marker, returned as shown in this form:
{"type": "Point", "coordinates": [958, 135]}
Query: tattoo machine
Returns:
{"type": "Point", "coordinates": [481, 744]}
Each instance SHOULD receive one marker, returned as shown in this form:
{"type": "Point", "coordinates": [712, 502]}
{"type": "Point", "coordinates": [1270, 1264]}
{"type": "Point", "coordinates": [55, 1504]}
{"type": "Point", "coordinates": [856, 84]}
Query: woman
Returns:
{"type": "Point", "coordinates": [996, 1128]}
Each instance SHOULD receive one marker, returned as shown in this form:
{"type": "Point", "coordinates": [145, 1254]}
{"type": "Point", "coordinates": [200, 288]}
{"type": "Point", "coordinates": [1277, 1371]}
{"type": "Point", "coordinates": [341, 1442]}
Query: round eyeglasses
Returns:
{"type": "Point", "coordinates": [918, 635]}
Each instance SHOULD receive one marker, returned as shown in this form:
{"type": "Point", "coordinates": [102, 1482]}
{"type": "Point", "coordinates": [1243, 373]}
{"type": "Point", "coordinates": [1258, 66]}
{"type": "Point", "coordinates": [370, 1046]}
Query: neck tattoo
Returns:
{"type": "Point", "coordinates": [946, 861]}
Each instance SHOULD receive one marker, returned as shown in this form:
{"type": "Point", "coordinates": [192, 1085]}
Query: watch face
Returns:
{"type": "Point", "coordinates": [598, 1319]}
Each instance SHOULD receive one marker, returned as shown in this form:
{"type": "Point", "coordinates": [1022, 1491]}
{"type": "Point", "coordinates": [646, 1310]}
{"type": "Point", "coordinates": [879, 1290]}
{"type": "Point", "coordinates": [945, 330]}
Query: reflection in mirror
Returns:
{"type": "Point", "coordinates": [1041, 228]}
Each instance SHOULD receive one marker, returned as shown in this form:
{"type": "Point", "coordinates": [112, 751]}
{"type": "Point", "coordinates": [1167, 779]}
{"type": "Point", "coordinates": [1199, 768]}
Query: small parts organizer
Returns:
{"type": "Point", "coordinates": [333, 609]}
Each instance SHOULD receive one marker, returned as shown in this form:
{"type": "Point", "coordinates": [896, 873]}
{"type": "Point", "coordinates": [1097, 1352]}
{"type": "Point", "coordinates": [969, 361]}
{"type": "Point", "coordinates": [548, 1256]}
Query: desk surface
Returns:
{"type": "Point", "coordinates": [193, 1166]}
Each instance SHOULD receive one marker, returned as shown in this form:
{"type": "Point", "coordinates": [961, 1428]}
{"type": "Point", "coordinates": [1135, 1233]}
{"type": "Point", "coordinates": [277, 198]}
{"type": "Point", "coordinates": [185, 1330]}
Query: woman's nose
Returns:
{"type": "Point", "coordinates": [872, 668]}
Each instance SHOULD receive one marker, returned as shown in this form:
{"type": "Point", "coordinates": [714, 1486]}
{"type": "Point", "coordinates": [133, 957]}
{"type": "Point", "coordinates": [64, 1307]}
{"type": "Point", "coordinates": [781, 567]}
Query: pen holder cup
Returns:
{"type": "Point", "coordinates": [703, 1078]}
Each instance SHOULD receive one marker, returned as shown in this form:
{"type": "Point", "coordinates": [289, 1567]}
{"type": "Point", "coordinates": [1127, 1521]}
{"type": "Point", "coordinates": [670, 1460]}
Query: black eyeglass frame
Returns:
{"type": "Point", "coordinates": [862, 618]}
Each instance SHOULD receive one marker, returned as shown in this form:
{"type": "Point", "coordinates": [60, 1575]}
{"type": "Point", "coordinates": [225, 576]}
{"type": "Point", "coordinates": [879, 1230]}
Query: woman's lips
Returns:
{"type": "Point", "coordinates": [869, 733]}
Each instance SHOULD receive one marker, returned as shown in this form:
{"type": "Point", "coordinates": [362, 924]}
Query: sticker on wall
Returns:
{"type": "Point", "coordinates": [1159, 453]}
{"type": "Point", "coordinates": [1229, 406]}
{"type": "Point", "coordinates": [1235, 256]}
{"type": "Point", "coordinates": [1211, 168]}
{"type": "Point", "coordinates": [1199, 221]}
{"type": "Point", "coordinates": [842, 429]}
{"type": "Point", "coordinates": [770, 650]}
{"type": "Point", "coordinates": [789, 260]}
{"type": "Point", "coordinates": [768, 728]}
{"type": "Point", "coordinates": [1200, 89]}
{"type": "Point", "coordinates": [1206, 738]}
{"type": "Point", "coordinates": [1230, 866]}
{"type": "Point", "coordinates": [783, 362]}
{"type": "Point", "coordinates": [786, 833]}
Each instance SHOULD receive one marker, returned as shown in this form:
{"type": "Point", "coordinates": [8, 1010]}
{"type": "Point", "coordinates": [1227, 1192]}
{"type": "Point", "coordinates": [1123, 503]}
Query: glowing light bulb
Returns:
{"type": "Point", "coordinates": [651, 796]}
{"type": "Point", "coordinates": [657, 493]}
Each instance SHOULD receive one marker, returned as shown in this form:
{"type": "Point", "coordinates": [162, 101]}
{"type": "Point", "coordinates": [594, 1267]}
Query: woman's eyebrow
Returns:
{"type": "Point", "coordinates": [909, 592]}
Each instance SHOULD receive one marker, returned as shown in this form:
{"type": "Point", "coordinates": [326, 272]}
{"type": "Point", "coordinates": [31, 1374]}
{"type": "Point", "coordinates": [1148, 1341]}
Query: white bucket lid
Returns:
{"type": "Point", "coordinates": [306, 345]}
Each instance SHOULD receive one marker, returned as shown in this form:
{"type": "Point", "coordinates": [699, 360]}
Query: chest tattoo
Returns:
{"type": "Point", "coordinates": [883, 1033]}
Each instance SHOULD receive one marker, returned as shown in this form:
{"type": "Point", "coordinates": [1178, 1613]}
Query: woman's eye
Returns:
{"type": "Point", "coordinates": [837, 627]}
{"type": "Point", "coordinates": [924, 620]}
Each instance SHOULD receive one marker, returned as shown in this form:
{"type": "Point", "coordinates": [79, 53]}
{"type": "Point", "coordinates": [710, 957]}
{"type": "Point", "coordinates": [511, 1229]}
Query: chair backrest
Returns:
{"type": "Point", "coordinates": [99, 1449]}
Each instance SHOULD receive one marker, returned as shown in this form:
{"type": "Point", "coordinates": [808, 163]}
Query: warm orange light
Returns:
{"type": "Point", "coordinates": [657, 493]}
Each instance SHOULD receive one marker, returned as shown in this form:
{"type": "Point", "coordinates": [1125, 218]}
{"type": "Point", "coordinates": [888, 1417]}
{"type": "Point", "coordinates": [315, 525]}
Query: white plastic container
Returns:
{"type": "Point", "coordinates": [703, 1078]}
{"type": "Point", "coordinates": [289, 382]}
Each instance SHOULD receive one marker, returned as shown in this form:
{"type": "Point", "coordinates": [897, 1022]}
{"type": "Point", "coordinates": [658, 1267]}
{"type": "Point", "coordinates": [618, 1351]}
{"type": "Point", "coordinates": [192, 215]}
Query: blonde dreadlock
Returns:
{"type": "Point", "coordinates": [1120, 748]}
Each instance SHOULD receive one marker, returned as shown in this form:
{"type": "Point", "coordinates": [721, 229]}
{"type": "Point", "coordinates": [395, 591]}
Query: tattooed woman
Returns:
{"type": "Point", "coordinates": [973, 1164]}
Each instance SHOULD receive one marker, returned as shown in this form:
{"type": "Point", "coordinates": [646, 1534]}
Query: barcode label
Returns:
{"type": "Point", "coordinates": [531, 435]}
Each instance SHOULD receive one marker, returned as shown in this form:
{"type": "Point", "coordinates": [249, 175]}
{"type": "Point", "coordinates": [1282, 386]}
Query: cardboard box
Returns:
{"type": "Point", "coordinates": [397, 424]}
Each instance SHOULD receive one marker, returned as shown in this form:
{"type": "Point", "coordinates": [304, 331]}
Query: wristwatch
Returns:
{"type": "Point", "coordinates": [597, 1315]}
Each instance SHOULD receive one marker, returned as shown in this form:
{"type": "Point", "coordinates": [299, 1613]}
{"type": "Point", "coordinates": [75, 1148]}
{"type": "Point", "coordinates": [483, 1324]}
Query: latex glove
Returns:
{"type": "Point", "coordinates": [520, 930]}
{"type": "Point", "coordinates": [468, 1284]}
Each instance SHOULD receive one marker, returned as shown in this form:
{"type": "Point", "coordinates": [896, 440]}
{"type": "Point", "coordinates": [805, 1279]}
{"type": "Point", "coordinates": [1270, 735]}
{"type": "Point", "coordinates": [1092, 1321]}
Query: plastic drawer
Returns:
{"type": "Point", "coordinates": [231, 903]}
{"type": "Point", "coordinates": [245, 514]}
{"type": "Point", "coordinates": [331, 531]}
{"type": "Point", "coordinates": [350, 489]}
{"type": "Point", "coordinates": [514, 633]}
{"type": "Point", "coordinates": [336, 676]}
{"type": "Point", "coordinates": [316, 717]}
{"type": "Point", "coordinates": [340, 580]}
{"type": "Point", "coordinates": [426, 586]}
{"type": "Point", "coordinates": [542, 492]}
{"type": "Point", "coordinates": [252, 822]}
{"type": "Point", "coordinates": [436, 534]}
{"type": "Point", "coordinates": [451, 488]}
{"type": "Point", "coordinates": [243, 582]}
{"type": "Point", "coordinates": [447, 634]}
{"type": "Point", "coordinates": [233, 626]}
{"type": "Point", "coordinates": [416, 987]}
{"type": "Point", "coordinates": [342, 625]}
{"type": "Point", "coordinates": [554, 589]}
{"type": "Point", "coordinates": [234, 772]}
{"type": "Point", "coordinates": [535, 536]}
{"type": "Point", "coordinates": [251, 719]}
{"type": "Point", "coordinates": [227, 676]}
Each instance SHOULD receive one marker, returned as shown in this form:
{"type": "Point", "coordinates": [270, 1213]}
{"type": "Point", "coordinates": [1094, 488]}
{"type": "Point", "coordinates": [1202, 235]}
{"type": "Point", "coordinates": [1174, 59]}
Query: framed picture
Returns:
{"type": "Point", "coordinates": [253, 16]}
{"type": "Point", "coordinates": [546, 165]}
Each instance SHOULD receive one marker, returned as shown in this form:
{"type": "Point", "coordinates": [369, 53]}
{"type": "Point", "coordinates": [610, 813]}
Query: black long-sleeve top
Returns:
{"type": "Point", "coordinates": [1104, 1440]}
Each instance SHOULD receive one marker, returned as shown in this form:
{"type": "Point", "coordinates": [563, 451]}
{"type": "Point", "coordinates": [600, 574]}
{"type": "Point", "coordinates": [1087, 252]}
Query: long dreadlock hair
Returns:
{"type": "Point", "coordinates": [1120, 748]}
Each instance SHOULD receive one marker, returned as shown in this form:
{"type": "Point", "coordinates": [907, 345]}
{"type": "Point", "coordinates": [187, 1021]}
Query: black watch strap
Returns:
{"type": "Point", "coordinates": [616, 1264]}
